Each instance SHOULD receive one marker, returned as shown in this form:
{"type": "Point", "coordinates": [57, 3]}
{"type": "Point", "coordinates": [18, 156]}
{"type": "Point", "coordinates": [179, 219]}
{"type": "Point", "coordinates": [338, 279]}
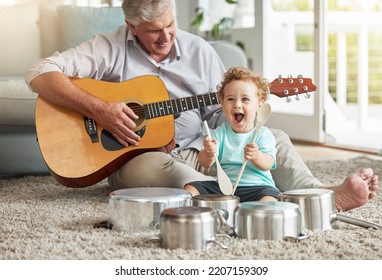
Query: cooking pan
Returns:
{"type": "Point", "coordinates": [194, 228]}
{"type": "Point", "coordinates": [268, 220]}
{"type": "Point", "coordinates": [218, 201]}
{"type": "Point", "coordinates": [139, 209]}
{"type": "Point", "coordinates": [318, 209]}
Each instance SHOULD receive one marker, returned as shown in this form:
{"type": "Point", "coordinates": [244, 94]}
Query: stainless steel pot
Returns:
{"type": "Point", "coordinates": [139, 209]}
{"type": "Point", "coordinates": [270, 220]}
{"type": "Point", "coordinates": [318, 209]}
{"type": "Point", "coordinates": [192, 228]}
{"type": "Point", "coordinates": [218, 201]}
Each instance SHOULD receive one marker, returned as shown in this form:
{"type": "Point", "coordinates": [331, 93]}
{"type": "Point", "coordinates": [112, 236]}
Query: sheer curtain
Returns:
{"type": "Point", "coordinates": [94, 3]}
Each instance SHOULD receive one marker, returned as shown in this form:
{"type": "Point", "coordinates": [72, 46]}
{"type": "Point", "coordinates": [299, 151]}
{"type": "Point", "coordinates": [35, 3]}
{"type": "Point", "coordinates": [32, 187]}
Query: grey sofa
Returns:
{"type": "Point", "coordinates": [34, 31]}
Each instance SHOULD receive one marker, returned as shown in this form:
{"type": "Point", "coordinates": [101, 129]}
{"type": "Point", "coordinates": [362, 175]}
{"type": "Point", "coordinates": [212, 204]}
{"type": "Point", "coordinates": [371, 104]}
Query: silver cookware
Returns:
{"type": "Point", "coordinates": [218, 201]}
{"type": "Point", "coordinates": [139, 209]}
{"type": "Point", "coordinates": [194, 228]}
{"type": "Point", "coordinates": [268, 220]}
{"type": "Point", "coordinates": [318, 209]}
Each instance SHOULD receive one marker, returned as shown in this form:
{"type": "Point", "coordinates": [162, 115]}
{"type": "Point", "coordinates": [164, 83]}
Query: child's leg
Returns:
{"type": "Point", "coordinates": [191, 189]}
{"type": "Point", "coordinates": [268, 198]}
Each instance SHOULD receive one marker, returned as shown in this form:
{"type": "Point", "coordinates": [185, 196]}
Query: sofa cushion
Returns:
{"type": "Point", "coordinates": [50, 37]}
{"type": "Point", "coordinates": [78, 24]}
{"type": "Point", "coordinates": [20, 38]}
{"type": "Point", "coordinates": [17, 102]}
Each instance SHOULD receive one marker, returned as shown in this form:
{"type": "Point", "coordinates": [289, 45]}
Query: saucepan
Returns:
{"type": "Point", "coordinates": [318, 209]}
{"type": "Point", "coordinates": [139, 209]}
{"type": "Point", "coordinates": [193, 228]}
{"type": "Point", "coordinates": [268, 220]}
{"type": "Point", "coordinates": [219, 201]}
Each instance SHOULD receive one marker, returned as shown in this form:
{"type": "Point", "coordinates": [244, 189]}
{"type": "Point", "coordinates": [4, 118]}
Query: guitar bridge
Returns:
{"type": "Point", "coordinates": [91, 129]}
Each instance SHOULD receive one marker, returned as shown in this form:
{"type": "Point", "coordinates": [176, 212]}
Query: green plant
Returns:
{"type": "Point", "coordinates": [218, 29]}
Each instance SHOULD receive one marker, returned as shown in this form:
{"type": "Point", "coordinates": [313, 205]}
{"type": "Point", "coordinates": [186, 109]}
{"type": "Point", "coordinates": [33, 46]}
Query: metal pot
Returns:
{"type": "Point", "coordinates": [268, 220]}
{"type": "Point", "coordinates": [139, 209]}
{"type": "Point", "coordinates": [192, 228]}
{"type": "Point", "coordinates": [318, 209]}
{"type": "Point", "coordinates": [218, 201]}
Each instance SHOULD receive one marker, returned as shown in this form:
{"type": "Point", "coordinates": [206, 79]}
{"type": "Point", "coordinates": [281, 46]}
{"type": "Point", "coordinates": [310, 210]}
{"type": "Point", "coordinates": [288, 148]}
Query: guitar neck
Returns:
{"type": "Point", "coordinates": [281, 87]}
{"type": "Point", "coordinates": [174, 106]}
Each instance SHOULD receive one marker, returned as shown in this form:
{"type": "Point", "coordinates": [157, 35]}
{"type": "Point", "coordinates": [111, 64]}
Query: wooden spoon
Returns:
{"type": "Point", "coordinates": [261, 118]}
{"type": "Point", "coordinates": [225, 184]}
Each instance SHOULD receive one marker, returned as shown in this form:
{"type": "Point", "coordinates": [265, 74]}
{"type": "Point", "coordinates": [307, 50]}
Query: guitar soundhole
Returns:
{"type": "Point", "coordinates": [139, 111]}
{"type": "Point", "coordinates": [110, 143]}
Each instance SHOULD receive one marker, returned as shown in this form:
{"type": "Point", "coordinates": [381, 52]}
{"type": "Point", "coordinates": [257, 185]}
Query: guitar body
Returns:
{"type": "Point", "coordinates": [67, 148]}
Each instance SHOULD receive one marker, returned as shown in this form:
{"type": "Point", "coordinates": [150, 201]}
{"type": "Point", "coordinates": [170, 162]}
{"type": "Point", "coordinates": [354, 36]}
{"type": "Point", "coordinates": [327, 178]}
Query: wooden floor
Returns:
{"type": "Point", "coordinates": [319, 152]}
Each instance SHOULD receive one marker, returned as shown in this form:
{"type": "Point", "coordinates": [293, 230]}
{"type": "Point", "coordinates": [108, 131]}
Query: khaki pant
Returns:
{"type": "Point", "coordinates": [157, 169]}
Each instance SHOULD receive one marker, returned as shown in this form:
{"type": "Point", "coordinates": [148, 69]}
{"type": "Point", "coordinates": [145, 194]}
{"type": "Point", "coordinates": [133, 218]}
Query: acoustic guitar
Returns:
{"type": "Point", "coordinates": [80, 153]}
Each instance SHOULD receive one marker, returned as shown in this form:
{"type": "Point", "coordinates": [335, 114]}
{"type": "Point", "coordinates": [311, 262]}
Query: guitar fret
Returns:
{"type": "Point", "coordinates": [207, 99]}
{"type": "Point", "coordinates": [149, 107]}
{"type": "Point", "coordinates": [194, 102]}
{"type": "Point", "coordinates": [173, 106]}
{"type": "Point", "coordinates": [201, 99]}
{"type": "Point", "coordinates": [184, 104]}
{"type": "Point", "coordinates": [161, 109]}
{"type": "Point", "coordinates": [156, 108]}
{"type": "Point", "coordinates": [165, 108]}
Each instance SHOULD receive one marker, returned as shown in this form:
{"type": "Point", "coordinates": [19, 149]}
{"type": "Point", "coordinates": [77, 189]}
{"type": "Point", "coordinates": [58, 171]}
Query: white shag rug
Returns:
{"type": "Point", "coordinates": [43, 220]}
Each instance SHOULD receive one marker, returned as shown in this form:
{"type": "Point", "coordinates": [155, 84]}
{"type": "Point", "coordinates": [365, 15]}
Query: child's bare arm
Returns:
{"type": "Point", "coordinates": [262, 161]}
{"type": "Point", "coordinates": [207, 155]}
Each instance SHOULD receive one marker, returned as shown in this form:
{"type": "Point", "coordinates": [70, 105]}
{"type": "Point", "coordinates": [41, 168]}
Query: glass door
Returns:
{"type": "Point", "coordinates": [286, 38]}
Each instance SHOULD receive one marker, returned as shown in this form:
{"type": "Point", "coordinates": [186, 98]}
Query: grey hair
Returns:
{"type": "Point", "coordinates": [138, 11]}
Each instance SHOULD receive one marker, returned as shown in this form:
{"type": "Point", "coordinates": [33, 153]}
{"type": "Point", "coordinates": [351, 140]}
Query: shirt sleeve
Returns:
{"type": "Point", "coordinates": [82, 60]}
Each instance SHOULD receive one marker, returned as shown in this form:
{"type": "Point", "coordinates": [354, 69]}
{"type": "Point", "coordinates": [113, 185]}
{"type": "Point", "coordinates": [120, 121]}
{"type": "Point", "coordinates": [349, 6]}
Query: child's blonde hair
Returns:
{"type": "Point", "coordinates": [247, 75]}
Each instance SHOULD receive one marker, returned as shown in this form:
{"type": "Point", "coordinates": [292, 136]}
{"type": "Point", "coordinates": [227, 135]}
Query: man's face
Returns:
{"type": "Point", "coordinates": [156, 37]}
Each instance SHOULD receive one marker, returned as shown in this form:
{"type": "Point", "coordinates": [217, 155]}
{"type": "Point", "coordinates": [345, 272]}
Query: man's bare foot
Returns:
{"type": "Point", "coordinates": [356, 190]}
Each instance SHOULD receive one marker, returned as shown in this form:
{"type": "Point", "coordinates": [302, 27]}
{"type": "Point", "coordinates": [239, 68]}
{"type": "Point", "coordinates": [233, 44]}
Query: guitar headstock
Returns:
{"type": "Point", "coordinates": [286, 87]}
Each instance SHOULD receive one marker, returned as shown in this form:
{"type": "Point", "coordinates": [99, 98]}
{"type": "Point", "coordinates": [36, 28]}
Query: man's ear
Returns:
{"type": "Point", "coordinates": [132, 27]}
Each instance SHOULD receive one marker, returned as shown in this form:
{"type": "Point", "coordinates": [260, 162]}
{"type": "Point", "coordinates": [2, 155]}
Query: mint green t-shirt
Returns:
{"type": "Point", "coordinates": [230, 153]}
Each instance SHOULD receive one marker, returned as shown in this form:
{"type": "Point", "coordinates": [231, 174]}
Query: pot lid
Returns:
{"type": "Point", "coordinates": [215, 197]}
{"type": "Point", "coordinates": [307, 192]}
{"type": "Point", "coordinates": [186, 211]}
{"type": "Point", "coordinates": [150, 194]}
{"type": "Point", "coordinates": [268, 206]}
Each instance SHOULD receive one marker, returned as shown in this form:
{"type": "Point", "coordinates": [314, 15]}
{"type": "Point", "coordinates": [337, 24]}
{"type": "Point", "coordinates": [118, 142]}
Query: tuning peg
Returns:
{"type": "Point", "coordinates": [288, 99]}
{"type": "Point", "coordinates": [297, 98]}
{"type": "Point", "coordinates": [307, 95]}
{"type": "Point", "coordinates": [300, 76]}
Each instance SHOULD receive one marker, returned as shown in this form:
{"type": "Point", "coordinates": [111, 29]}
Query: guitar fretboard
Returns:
{"type": "Point", "coordinates": [173, 106]}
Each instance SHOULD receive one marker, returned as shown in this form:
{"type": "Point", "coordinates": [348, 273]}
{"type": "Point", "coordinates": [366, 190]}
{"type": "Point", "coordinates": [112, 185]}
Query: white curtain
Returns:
{"type": "Point", "coordinates": [65, 2]}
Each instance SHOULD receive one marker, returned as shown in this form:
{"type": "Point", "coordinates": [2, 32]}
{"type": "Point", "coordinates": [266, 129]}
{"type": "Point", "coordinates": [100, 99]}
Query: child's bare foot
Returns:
{"type": "Point", "coordinates": [356, 190]}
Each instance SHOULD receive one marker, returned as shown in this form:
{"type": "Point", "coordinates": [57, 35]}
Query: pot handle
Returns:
{"type": "Point", "coordinates": [302, 236]}
{"type": "Point", "coordinates": [355, 221]}
{"type": "Point", "coordinates": [222, 245]}
{"type": "Point", "coordinates": [222, 215]}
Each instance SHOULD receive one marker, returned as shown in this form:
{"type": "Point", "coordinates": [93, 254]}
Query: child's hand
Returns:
{"type": "Point", "coordinates": [210, 146]}
{"type": "Point", "coordinates": [251, 151]}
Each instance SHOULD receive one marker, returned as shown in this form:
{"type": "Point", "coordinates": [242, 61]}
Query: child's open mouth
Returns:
{"type": "Point", "coordinates": [238, 117]}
